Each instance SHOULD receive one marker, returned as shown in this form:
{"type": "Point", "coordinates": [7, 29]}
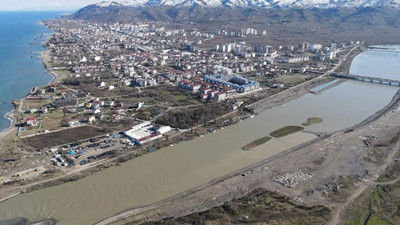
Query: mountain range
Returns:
{"type": "Point", "coordinates": [254, 3]}
{"type": "Point", "coordinates": [373, 20]}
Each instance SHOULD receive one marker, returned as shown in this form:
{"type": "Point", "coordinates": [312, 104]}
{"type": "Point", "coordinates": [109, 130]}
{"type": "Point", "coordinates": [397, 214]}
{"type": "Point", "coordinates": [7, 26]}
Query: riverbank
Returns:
{"type": "Point", "coordinates": [279, 98]}
{"type": "Point", "coordinates": [339, 153]}
{"type": "Point", "coordinates": [97, 167]}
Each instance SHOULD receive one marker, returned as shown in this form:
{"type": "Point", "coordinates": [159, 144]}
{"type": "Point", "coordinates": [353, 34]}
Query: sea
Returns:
{"type": "Point", "coordinates": [21, 43]}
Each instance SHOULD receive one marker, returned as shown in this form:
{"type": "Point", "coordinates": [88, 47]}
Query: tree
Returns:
{"type": "Point", "coordinates": [65, 110]}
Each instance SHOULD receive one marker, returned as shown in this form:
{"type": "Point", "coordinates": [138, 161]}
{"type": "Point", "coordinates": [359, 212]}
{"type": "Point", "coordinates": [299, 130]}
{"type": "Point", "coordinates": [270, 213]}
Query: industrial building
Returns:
{"type": "Point", "coordinates": [146, 132]}
{"type": "Point", "coordinates": [240, 84]}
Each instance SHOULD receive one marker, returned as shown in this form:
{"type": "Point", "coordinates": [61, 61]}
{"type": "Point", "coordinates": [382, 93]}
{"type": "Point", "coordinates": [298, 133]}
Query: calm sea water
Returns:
{"type": "Point", "coordinates": [20, 64]}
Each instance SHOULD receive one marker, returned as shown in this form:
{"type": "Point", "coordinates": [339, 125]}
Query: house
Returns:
{"type": "Point", "coordinates": [236, 105]}
{"type": "Point", "coordinates": [184, 84]}
{"type": "Point", "coordinates": [278, 85]}
{"type": "Point", "coordinates": [32, 122]}
{"type": "Point", "coordinates": [71, 110]}
{"type": "Point", "coordinates": [91, 119]}
{"type": "Point", "coordinates": [116, 116]}
{"type": "Point", "coordinates": [73, 123]}
{"type": "Point", "coordinates": [32, 111]}
{"type": "Point", "coordinates": [212, 93]}
{"type": "Point", "coordinates": [203, 96]}
{"type": "Point", "coordinates": [51, 88]}
{"type": "Point", "coordinates": [109, 104]}
{"type": "Point", "coordinates": [96, 111]}
{"type": "Point", "coordinates": [220, 96]}
{"type": "Point", "coordinates": [43, 110]}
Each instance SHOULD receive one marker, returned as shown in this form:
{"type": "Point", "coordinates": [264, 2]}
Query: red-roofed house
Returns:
{"type": "Point", "coordinates": [31, 122]}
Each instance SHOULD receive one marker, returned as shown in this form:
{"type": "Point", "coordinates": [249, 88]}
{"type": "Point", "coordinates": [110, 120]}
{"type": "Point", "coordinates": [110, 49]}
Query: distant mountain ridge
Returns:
{"type": "Point", "coordinates": [253, 3]}
{"type": "Point", "coordinates": [374, 20]}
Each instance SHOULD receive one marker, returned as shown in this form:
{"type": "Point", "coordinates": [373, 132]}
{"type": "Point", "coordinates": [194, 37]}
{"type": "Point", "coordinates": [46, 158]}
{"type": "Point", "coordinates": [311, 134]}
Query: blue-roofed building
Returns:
{"type": "Point", "coordinates": [239, 83]}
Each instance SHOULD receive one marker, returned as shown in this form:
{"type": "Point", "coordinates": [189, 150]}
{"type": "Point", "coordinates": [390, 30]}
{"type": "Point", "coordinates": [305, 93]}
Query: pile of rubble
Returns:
{"type": "Point", "coordinates": [290, 180]}
{"type": "Point", "coordinates": [254, 170]}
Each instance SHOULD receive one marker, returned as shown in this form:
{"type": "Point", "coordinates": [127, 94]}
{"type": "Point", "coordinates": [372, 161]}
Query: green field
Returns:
{"type": "Point", "coordinates": [285, 131]}
{"type": "Point", "coordinates": [375, 206]}
{"type": "Point", "coordinates": [256, 143]}
{"type": "Point", "coordinates": [312, 120]}
{"type": "Point", "coordinates": [376, 220]}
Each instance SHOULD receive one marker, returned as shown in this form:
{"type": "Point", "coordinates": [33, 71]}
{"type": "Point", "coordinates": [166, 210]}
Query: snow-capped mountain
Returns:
{"type": "Point", "coordinates": [256, 3]}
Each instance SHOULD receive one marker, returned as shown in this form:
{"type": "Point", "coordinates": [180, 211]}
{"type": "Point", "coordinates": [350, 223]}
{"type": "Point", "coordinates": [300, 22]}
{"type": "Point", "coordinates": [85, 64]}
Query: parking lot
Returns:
{"type": "Point", "coordinates": [90, 150]}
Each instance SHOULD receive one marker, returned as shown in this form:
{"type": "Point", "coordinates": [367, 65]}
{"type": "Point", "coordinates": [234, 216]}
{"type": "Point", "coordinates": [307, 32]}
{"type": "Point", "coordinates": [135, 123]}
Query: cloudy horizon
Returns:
{"type": "Point", "coordinates": [44, 5]}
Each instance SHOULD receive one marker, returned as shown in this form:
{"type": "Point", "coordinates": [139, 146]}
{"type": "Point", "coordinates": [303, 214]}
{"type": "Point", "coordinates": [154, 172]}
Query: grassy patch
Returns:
{"type": "Point", "coordinates": [185, 118]}
{"type": "Point", "coordinates": [357, 213]}
{"type": "Point", "coordinates": [387, 177]}
{"type": "Point", "coordinates": [312, 120]}
{"type": "Point", "coordinates": [258, 207]}
{"type": "Point", "coordinates": [391, 173]}
{"type": "Point", "coordinates": [285, 131]}
{"type": "Point", "coordinates": [348, 181]}
{"type": "Point", "coordinates": [376, 220]}
{"type": "Point", "coordinates": [379, 205]}
{"type": "Point", "coordinates": [256, 143]}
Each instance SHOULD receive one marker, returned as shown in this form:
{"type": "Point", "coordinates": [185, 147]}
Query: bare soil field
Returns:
{"type": "Point", "coordinates": [61, 137]}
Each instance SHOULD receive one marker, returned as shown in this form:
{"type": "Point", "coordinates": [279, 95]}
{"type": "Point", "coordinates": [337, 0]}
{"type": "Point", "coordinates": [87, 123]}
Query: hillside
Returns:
{"type": "Point", "coordinates": [370, 20]}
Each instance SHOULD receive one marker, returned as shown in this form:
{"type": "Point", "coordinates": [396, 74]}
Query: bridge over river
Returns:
{"type": "Point", "coordinates": [369, 79]}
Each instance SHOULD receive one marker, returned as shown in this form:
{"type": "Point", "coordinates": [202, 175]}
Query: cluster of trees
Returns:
{"type": "Point", "coordinates": [189, 117]}
{"type": "Point", "coordinates": [73, 82]}
{"type": "Point", "coordinates": [168, 94]}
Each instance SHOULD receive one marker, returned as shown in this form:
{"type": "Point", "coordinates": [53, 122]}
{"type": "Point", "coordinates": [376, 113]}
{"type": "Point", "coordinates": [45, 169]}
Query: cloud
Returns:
{"type": "Point", "coordinates": [26, 5]}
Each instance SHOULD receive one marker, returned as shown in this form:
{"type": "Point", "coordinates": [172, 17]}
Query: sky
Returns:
{"type": "Point", "coordinates": [45, 5]}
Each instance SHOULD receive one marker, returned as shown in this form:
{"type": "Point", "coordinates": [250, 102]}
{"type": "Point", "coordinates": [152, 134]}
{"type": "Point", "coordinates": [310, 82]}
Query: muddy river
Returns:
{"type": "Point", "coordinates": [172, 170]}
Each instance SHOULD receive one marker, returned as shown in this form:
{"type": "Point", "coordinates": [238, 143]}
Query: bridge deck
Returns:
{"type": "Point", "coordinates": [368, 79]}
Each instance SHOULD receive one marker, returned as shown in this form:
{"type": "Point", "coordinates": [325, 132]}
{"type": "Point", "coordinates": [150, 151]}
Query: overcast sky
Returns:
{"type": "Point", "coordinates": [18, 5]}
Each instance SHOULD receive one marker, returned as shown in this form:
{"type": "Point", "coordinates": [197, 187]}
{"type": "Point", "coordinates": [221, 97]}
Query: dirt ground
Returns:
{"type": "Point", "coordinates": [42, 141]}
{"type": "Point", "coordinates": [260, 206]}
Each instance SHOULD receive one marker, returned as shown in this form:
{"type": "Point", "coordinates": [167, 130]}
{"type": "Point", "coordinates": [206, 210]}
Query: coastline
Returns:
{"type": "Point", "coordinates": [9, 116]}
{"type": "Point", "coordinates": [45, 59]}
